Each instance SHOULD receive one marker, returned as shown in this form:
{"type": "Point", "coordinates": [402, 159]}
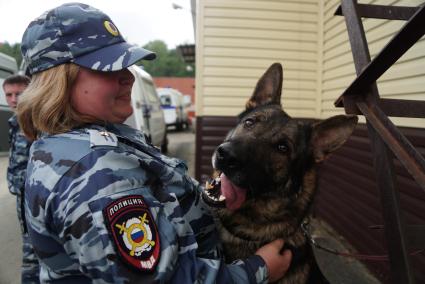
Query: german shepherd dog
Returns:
{"type": "Point", "coordinates": [267, 177]}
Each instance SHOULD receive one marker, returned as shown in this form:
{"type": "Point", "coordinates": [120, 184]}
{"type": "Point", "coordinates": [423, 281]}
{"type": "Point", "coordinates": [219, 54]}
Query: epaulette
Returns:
{"type": "Point", "coordinates": [102, 138]}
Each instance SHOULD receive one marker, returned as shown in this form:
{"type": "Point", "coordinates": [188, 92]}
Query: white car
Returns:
{"type": "Point", "coordinates": [175, 107]}
{"type": "Point", "coordinates": [148, 115]}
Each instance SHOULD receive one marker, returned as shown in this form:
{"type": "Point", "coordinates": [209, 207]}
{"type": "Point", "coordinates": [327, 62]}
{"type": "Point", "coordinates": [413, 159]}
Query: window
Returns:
{"type": "Point", "coordinates": [152, 96]}
{"type": "Point", "coordinates": [165, 100]}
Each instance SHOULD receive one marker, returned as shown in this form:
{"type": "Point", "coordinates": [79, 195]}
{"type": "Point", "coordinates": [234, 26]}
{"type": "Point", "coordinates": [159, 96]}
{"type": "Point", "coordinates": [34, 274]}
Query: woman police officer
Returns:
{"type": "Point", "coordinates": [102, 204]}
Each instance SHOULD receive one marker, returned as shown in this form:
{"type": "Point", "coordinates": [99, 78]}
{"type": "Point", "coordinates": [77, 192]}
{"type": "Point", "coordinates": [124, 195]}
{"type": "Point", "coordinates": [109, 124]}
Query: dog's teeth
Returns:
{"type": "Point", "coordinates": [208, 186]}
{"type": "Point", "coordinates": [212, 191]}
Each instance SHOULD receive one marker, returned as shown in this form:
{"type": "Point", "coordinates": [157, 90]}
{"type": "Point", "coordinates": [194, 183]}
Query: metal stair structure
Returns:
{"type": "Point", "coordinates": [362, 98]}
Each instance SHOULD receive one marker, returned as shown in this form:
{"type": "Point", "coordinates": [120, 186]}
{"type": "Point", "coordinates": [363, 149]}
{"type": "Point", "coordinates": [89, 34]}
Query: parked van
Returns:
{"type": "Point", "coordinates": [8, 67]}
{"type": "Point", "coordinates": [148, 115]}
{"type": "Point", "coordinates": [175, 107]}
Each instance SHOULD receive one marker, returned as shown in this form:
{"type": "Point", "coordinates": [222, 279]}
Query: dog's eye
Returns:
{"type": "Point", "coordinates": [249, 122]}
{"type": "Point", "coordinates": [283, 147]}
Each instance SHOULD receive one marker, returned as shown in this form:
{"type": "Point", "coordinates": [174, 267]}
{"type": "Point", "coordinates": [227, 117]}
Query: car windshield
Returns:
{"type": "Point", "coordinates": [165, 100]}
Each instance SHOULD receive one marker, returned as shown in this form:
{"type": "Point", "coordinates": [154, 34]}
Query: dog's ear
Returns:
{"type": "Point", "coordinates": [330, 134]}
{"type": "Point", "coordinates": [268, 89]}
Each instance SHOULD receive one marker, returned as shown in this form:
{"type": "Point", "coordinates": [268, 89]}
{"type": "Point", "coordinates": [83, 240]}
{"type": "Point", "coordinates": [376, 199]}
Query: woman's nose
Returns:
{"type": "Point", "coordinates": [126, 77]}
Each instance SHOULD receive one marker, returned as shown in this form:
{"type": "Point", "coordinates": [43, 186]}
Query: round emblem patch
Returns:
{"type": "Point", "coordinates": [111, 28]}
{"type": "Point", "coordinates": [134, 232]}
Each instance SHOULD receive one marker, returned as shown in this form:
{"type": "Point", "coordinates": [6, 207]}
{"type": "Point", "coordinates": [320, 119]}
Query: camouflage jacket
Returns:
{"type": "Point", "coordinates": [18, 157]}
{"type": "Point", "coordinates": [106, 207]}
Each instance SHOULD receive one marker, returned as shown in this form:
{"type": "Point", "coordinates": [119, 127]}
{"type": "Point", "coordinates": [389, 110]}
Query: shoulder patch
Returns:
{"type": "Point", "coordinates": [102, 138]}
{"type": "Point", "coordinates": [134, 232]}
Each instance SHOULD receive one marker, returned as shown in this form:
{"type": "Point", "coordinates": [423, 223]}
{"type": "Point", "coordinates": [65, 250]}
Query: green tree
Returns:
{"type": "Point", "coordinates": [12, 50]}
{"type": "Point", "coordinates": [168, 63]}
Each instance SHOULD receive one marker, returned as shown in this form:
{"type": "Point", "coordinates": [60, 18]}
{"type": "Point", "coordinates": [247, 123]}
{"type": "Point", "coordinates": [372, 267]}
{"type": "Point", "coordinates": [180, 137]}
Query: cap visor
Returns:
{"type": "Point", "coordinates": [114, 57]}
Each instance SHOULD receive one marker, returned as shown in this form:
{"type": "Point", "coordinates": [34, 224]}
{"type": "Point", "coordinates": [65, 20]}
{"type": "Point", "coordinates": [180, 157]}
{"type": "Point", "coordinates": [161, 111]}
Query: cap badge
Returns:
{"type": "Point", "coordinates": [111, 28]}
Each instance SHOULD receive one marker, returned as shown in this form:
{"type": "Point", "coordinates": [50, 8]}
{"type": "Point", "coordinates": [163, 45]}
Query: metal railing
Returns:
{"type": "Point", "coordinates": [362, 98]}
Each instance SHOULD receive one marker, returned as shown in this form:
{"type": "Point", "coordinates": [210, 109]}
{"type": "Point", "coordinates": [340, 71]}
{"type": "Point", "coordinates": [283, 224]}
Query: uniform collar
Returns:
{"type": "Point", "coordinates": [125, 131]}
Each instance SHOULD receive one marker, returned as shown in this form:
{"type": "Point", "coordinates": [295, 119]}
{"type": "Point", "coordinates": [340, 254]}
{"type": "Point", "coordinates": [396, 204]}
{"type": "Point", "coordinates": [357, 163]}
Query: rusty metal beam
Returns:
{"type": "Point", "coordinates": [382, 12]}
{"type": "Point", "coordinates": [391, 107]}
{"type": "Point", "coordinates": [393, 220]}
{"type": "Point", "coordinates": [390, 201]}
{"type": "Point", "coordinates": [402, 108]}
{"type": "Point", "coordinates": [411, 32]}
{"type": "Point", "coordinates": [410, 158]}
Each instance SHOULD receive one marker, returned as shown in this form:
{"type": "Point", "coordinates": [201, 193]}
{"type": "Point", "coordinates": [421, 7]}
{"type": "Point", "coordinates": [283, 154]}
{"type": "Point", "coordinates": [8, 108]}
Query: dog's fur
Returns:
{"type": "Point", "coordinates": [273, 157]}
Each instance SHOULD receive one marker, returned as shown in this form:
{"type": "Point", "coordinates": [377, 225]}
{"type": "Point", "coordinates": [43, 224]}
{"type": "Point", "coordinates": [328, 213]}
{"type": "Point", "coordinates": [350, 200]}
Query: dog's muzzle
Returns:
{"type": "Point", "coordinates": [221, 191]}
{"type": "Point", "coordinates": [225, 158]}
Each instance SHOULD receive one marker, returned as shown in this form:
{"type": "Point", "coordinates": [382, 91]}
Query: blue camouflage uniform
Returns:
{"type": "Point", "coordinates": [18, 160]}
{"type": "Point", "coordinates": [103, 206]}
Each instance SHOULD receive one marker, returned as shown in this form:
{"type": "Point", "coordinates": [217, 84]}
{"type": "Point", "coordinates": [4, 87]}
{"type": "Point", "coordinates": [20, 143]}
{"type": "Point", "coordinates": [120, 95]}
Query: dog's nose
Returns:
{"type": "Point", "coordinates": [226, 156]}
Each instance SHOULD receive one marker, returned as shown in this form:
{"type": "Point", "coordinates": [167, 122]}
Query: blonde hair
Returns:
{"type": "Point", "coordinates": [45, 106]}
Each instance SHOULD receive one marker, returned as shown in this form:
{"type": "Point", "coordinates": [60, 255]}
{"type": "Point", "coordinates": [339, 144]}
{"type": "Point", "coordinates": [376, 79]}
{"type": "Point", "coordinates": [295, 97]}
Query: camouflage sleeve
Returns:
{"type": "Point", "coordinates": [255, 270]}
{"type": "Point", "coordinates": [18, 160]}
{"type": "Point", "coordinates": [107, 221]}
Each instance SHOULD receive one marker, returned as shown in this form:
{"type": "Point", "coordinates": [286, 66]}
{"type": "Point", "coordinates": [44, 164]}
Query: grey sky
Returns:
{"type": "Point", "coordinates": [140, 21]}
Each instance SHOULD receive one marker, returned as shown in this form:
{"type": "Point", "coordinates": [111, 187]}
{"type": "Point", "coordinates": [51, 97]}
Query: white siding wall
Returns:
{"type": "Point", "coordinates": [236, 42]}
{"type": "Point", "coordinates": [404, 80]}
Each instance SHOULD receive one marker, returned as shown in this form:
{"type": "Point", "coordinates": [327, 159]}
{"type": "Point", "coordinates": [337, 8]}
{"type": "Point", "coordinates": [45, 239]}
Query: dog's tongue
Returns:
{"type": "Point", "coordinates": [235, 196]}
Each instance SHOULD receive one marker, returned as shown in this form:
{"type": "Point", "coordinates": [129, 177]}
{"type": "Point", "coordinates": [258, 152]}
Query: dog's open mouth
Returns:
{"type": "Point", "coordinates": [221, 192]}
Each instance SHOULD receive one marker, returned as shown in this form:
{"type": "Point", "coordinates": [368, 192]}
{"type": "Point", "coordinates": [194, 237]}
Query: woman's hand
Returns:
{"type": "Point", "coordinates": [277, 262]}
